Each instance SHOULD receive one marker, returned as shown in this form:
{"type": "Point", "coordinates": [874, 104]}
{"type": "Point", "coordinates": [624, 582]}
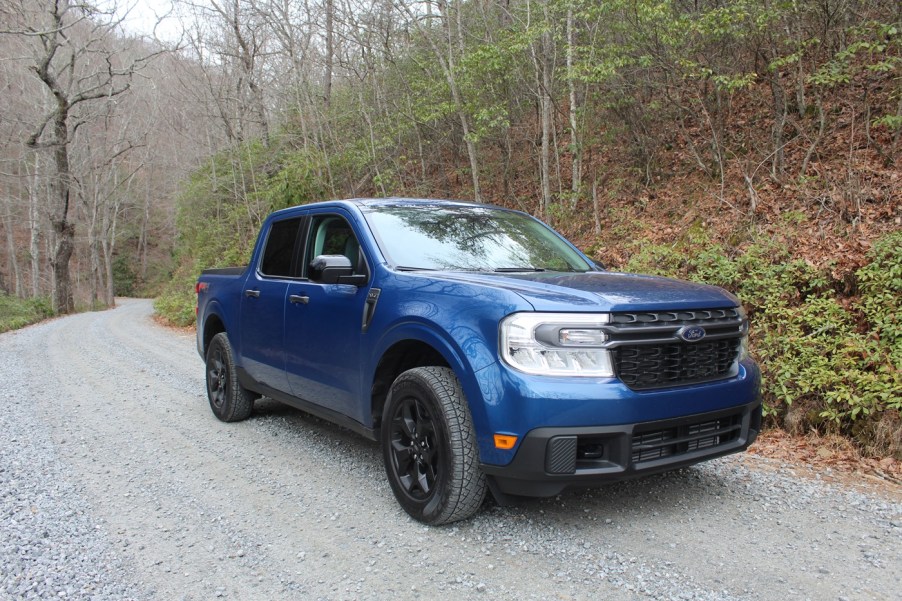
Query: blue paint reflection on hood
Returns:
{"type": "Point", "coordinates": [601, 291]}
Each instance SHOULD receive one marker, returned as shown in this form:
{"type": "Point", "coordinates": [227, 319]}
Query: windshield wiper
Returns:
{"type": "Point", "coordinates": [516, 269]}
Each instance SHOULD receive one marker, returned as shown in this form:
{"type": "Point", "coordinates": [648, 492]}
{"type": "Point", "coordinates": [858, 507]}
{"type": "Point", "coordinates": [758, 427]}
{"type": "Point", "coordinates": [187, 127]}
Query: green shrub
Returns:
{"type": "Point", "coordinates": [880, 286]}
{"type": "Point", "coordinates": [177, 301]}
{"type": "Point", "coordinates": [825, 365]}
{"type": "Point", "coordinates": [17, 312]}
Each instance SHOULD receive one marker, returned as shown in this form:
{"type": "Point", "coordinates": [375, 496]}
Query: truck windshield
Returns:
{"type": "Point", "coordinates": [460, 238]}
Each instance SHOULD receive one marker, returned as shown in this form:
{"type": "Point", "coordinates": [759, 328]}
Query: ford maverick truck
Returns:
{"type": "Point", "coordinates": [481, 349]}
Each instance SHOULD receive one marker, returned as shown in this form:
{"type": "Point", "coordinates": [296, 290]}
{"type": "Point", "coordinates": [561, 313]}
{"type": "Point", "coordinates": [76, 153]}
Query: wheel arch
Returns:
{"type": "Point", "coordinates": [401, 356]}
{"type": "Point", "coordinates": [213, 325]}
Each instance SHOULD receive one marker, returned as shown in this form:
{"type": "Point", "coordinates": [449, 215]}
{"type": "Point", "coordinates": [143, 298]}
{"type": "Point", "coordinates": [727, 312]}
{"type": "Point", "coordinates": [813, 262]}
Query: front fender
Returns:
{"type": "Point", "coordinates": [461, 353]}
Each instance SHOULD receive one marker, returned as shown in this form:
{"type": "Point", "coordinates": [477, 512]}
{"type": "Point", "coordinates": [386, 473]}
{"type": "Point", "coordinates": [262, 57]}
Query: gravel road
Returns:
{"type": "Point", "coordinates": [116, 482]}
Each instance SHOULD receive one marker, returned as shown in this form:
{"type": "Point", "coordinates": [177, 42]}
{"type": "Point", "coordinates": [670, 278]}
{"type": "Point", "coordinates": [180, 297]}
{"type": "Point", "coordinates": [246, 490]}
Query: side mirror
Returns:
{"type": "Point", "coordinates": [334, 269]}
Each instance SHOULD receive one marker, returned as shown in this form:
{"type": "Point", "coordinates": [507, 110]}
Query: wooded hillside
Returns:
{"type": "Point", "coordinates": [753, 145]}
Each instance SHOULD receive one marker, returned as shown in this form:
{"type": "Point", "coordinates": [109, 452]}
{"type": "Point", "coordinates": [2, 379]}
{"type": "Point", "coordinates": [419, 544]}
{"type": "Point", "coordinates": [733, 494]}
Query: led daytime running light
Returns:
{"type": "Point", "coordinates": [573, 350]}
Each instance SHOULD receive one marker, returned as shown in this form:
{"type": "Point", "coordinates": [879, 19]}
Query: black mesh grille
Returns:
{"type": "Point", "coordinates": [649, 354]}
{"type": "Point", "coordinates": [679, 440]}
{"type": "Point", "coordinates": [659, 365]}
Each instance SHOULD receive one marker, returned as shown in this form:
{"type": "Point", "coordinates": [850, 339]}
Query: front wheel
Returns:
{"type": "Point", "coordinates": [229, 401]}
{"type": "Point", "coordinates": [429, 447]}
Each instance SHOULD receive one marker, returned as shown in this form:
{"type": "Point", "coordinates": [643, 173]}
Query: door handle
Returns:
{"type": "Point", "coordinates": [254, 293]}
{"type": "Point", "coordinates": [297, 298]}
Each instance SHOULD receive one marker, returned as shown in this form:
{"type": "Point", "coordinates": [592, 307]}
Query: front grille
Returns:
{"type": "Point", "coordinates": [698, 317]}
{"type": "Point", "coordinates": [648, 353]}
{"type": "Point", "coordinates": [679, 440]}
{"type": "Point", "coordinates": [657, 366]}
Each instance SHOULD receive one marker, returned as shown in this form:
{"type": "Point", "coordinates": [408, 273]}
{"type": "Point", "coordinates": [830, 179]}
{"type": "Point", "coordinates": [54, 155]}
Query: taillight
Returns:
{"type": "Point", "coordinates": [198, 288]}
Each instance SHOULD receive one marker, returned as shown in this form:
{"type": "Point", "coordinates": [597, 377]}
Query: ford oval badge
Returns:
{"type": "Point", "coordinates": [691, 333]}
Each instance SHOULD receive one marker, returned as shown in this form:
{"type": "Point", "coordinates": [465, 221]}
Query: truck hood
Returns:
{"type": "Point", "coordinates": [601, 291]}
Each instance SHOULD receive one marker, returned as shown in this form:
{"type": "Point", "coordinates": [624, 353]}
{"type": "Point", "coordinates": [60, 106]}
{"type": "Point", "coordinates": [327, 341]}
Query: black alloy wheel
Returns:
{"type": "Point", "coordinates": [414, 448]}
{"type": "Point", "coordinates": [217, 378]}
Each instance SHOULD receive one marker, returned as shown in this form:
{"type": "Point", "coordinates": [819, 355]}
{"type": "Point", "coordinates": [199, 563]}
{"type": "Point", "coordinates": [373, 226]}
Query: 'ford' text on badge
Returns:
{"type": "Point", "coordinates": [691, 333]}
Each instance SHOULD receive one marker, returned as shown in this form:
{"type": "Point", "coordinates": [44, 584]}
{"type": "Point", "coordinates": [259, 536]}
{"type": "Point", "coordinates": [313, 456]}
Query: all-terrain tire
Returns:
{"type": "Point", "coordinates": [429, 447]}
{"type": "Point", "coordinates": [229, 401]}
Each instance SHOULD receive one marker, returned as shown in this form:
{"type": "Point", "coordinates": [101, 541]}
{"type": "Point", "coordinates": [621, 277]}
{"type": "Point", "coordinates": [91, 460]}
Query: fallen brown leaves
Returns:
{"type": "Point", "coordinates": [830, 458]}
{"type": "Point", "coordinates": [163, 322]}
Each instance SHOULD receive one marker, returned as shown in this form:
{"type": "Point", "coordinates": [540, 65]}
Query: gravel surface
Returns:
{"type": "Point", "coordinates": [116, 482]}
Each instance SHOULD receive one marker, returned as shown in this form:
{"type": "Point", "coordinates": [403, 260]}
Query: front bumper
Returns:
{"type": "Point", "coordinates": [549, 460]}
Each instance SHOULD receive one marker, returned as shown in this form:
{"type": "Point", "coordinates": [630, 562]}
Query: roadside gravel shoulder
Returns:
{"type": "Point", "coordinates": [52, 544]}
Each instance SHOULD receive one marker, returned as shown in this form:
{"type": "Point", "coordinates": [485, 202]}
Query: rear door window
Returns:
{"type": "Point", "coordinates": [280, 253]}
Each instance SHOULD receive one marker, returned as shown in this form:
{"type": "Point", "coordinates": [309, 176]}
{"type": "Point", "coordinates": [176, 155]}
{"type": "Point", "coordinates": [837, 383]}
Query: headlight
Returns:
{"type": "Point", "coordinates": [744, 331]}
{"type": "Point", "coordinates": [556, 344]}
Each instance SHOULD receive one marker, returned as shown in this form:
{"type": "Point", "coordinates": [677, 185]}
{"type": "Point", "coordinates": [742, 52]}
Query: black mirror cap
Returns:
{"type": "Point", "coordinates": [334, 269]}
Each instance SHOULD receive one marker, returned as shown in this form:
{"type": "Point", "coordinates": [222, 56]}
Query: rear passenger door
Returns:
{"type": "Point", "coordinates": [263, 304]}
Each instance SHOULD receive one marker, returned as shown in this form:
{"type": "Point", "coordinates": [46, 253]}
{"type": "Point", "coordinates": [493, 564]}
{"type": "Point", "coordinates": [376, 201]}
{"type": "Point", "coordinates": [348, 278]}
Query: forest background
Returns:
{"type": "Point", "coordinates": [751, 144]}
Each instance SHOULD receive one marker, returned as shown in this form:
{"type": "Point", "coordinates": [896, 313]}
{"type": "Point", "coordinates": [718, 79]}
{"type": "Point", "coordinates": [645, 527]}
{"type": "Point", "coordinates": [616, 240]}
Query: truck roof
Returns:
{"type": "Point", "coordinates": [375, 203]}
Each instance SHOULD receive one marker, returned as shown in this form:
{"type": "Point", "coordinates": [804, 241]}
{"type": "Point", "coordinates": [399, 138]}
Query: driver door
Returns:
{"type": "Point", "coordinates": [323, 322]}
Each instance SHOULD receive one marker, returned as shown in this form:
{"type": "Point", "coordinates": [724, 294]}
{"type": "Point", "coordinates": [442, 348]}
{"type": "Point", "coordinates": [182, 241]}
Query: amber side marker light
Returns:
{"type": "Point", "coordinates": [505, 442]}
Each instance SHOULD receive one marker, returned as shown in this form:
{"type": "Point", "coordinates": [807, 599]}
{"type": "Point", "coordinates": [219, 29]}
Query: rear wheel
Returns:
{"type": "Point", "coordinates": [429, 447]}
{"type": "Point", "coordinates": [228, 400]}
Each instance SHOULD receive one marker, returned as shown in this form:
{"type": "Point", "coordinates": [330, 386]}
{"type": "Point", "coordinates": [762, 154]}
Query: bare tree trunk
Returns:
{"type": "Point", "coordinates": [576, 171]}
{"type": "Point", "coordinates": [543, 91]}
{"type": "Point", "coordinates": [35, 196]}
{"type": "Point", "coordinates": [145, 224]}
{"type": "Point", "coordinates": [96, 275]}
{"type": "Point", "coordinates": [822, 120]}
{"type": "Point", "coordinates": [108, 246]}
{"type": "Point", "coordinates": [12, 259]}
{"type": "Point", "coordinates": [779, 108]}
{"type": "Point", "coordinates": [91, 209]}
{"type": "Point", "coordinates": [62, 230]}
{"type": "Point", "coordinates": [369, 123]}
{"type": "Point", "coordinates": [595, 208]}
{"type": "Point", "coordinates": [330, 52]}
{"type": "Point", "coordinates": [458, 102]}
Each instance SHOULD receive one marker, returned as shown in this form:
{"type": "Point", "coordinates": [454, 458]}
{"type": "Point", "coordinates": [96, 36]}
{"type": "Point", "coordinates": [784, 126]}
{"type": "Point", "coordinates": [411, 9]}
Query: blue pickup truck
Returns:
{"type": "Point", "coordinates": [479, 347]}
